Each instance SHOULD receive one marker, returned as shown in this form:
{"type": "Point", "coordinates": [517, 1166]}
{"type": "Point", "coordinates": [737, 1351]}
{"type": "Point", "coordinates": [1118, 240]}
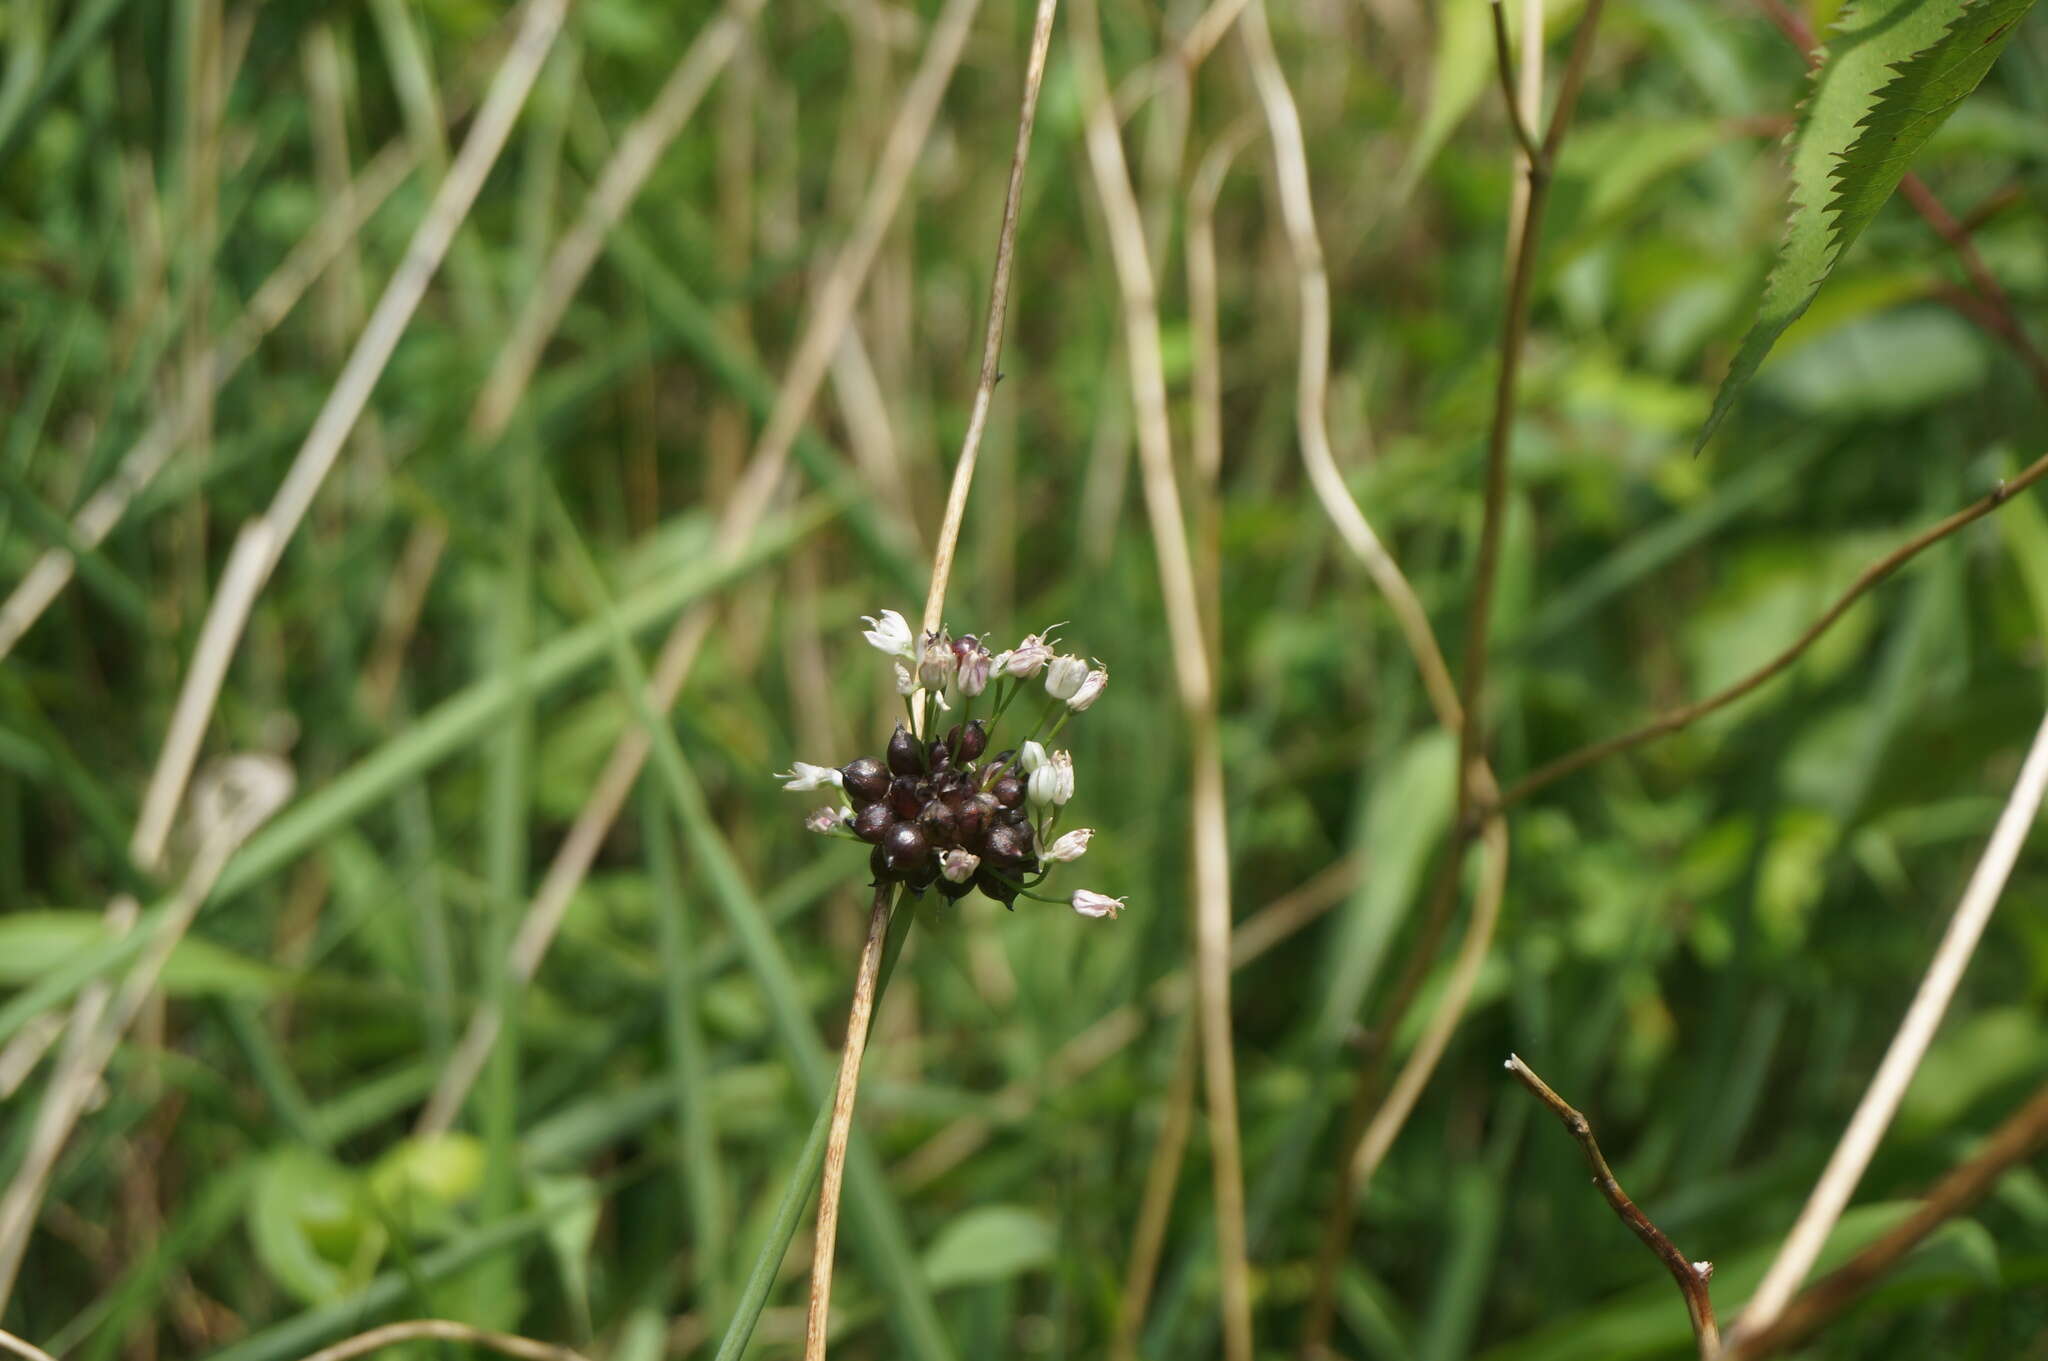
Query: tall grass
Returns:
{"type": "Point", "coordinates": [380, 383]}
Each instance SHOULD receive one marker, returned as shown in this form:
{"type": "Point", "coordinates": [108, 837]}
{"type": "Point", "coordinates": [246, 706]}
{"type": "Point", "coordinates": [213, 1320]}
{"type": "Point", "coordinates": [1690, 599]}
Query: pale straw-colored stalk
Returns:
{"type": "Point", "coordinates": [1880, 1102]}
{"type": "Point", "coordinates": [1209, 832]}
{"type": "Point", "coordinates": [443, 1330]}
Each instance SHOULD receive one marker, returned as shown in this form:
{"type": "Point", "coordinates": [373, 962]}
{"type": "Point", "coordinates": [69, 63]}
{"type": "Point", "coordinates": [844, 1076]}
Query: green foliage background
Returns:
{"type": "Point", "coordinates": [1706, 942]}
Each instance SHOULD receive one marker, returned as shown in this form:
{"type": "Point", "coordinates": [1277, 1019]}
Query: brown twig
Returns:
{"type": "Point", "coordinates": [1692, 1277]}
{"type": "Point", "coordinates": [1370, 1129]}
{"type": "Point", "coordinates": [2023, 1134]}
{"type": "Point", "coordinates": [1504, 67]}
{"type": "Point", "coordinates": [843, 1097]}
{"type": "Point", "coordinates": [1672, 721]}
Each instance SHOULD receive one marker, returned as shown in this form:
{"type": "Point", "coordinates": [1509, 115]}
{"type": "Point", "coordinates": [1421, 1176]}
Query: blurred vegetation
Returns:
{"type": "Point", "coordinates": [1706, 942]}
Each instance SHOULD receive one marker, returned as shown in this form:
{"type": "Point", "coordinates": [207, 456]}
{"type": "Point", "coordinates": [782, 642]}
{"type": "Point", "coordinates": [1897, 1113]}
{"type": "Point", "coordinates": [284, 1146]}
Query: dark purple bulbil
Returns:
{"type": "Point", "coordinates": [928, 798]}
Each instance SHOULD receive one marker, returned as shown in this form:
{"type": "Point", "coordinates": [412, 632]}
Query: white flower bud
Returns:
{"type": "Point", "coordinates": [1071, 846]}
{"type": "Point", "coordinates": [959, 866]}
{"type": "Point", "coordinates": [1063, 676]}
{"type": "Point", "coordinates": [1029, 657]}
{"type": "Point", "coordinates": [906, 681]}
{"type": "Point", "coordinates": [1030, 756]}
{"type": "Point", "coordinates": [1091, 686]}
{"type": "Point", "coordinates": [802, 776]}
{"type": "Point", "coordinates": [1096, 905]}
{"type": "Point", "coordinates": [975, 667]}
{"type": "Point", "coordinates": [891, 634]}
{"type": "Point", "coordinates": [1053, 782]}
{"type": "Point", "coordinates": [937, 664]}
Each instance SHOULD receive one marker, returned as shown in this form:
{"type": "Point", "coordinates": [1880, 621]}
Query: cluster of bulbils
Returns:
{"type": "Point", "coordinates": [936, 813]}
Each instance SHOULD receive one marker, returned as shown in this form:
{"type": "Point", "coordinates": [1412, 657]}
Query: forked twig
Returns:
{"type": "Point", "coordinates": [1830, 1195]}
{"type": "Point", "coordinates": [1692, 1277]}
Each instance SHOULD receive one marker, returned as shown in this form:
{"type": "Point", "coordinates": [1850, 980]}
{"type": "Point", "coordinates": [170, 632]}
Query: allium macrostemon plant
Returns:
{"type": "Point", "coordinates": [946, 814]}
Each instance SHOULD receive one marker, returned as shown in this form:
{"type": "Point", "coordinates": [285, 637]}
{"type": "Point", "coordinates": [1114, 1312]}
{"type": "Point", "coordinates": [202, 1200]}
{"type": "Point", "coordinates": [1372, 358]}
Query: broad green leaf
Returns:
{"type": "Point", "coordinates": [1410, 807]}
{"type": "Point", "coordinates": [989, 1243]}
{"type": "Point", "coordinates": [34, 943]}
{"type": "Point", "coordinates": [311, 1227]}
{"type": "Point", "coordinates": [1893, 72]}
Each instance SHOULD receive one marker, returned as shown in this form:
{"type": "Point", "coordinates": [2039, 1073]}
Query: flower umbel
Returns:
{"type": "Point", "coordinates": [935, 812]}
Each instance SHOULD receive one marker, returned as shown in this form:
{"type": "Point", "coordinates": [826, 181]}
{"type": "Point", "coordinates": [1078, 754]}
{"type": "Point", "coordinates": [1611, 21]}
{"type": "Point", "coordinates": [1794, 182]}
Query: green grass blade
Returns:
{"type": "Point", "coordinates": [876, 1222]}
{"type": "Point", "coordinates": [459, 721]}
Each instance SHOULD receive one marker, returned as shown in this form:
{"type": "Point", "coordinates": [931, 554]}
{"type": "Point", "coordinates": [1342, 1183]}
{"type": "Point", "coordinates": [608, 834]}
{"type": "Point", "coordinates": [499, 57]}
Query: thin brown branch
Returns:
{"type": "Point", "coordinates": [1692, 1277]}
{"type": "Point", "coordinates": [2023, 1134]}
{"type": "Point", "coordinates": [1870, 576]}
{"type": "Point", "coordinates": [443, 1330]}
{"type": "Point", "coordinates": [843, 1097]}
{"type": "Point", "coordinates": [1504, 66]}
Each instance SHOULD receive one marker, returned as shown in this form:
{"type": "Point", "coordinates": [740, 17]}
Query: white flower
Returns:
{"type": "Point", "coordinates": [829, 820]}
{"type": "Point", "coordinates": [805, 777]}
{"type": "Point", "coordinates": [1071, 846]}
{"type": "Point", "coordinates": [1096, 905]}
{"type": "Point", "coordinates": [1053, 782]}
{"type": "Point", "coordinates": [959, 866]}
{"type": "Point", "coordinates": [891, 634]}
{"type": "Point", "coordinates": [905, 680]}
{"type": "Point", "coordinates": [1030, 756]}
{"type": "Point", "coordinates": [1091, 686]}
{"type": "Point", "coordinates": [936, 665]}
{"type": "Point", "coordinates": [1029, 657]}
{"type": "Point", "coordinates": [1063, 676]}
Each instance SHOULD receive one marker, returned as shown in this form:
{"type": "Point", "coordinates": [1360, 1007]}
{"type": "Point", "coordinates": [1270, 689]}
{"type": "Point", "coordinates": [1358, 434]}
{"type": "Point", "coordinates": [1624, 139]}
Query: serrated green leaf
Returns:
{"type": "Point", "coordinates": [1893, 72]}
